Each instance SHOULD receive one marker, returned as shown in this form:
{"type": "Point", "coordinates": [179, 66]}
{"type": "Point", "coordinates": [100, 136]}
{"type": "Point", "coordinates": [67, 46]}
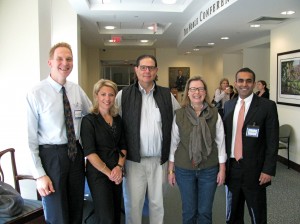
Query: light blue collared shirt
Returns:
{"type": "Point", "coordinates": [45, 116]}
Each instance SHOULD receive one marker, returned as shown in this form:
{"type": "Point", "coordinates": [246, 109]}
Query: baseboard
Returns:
{"type": "Point", "coordinates": [293, 165]}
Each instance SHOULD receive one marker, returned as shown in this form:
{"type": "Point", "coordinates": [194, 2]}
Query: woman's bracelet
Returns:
{"type": "Point", "coordinates": [103, 168]}
{"type": "Point", "coordinates": [171, 171]}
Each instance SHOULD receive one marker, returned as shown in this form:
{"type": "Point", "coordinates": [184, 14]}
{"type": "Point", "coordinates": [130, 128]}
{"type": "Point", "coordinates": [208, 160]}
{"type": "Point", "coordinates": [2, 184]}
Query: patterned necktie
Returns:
{"type": "Point", "coordinates": [72, 149]}
{"type": "Point", "coordinates": [238, 145]}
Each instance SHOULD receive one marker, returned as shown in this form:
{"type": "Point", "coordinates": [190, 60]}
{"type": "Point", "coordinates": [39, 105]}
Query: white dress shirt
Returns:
{"type": "Point", "coordinates": [235, 118]}
{"type": "Point", "coordinates": [45, 116]}
{"type": "Point", "coordinates": [151, 123]}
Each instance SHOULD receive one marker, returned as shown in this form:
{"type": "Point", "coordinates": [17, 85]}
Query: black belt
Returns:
{"type": "Point", "coordinates": [55, 146]}
{"type": "Point", "coordinates": [234, 163]}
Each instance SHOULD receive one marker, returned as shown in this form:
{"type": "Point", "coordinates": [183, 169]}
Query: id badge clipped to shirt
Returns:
{"type": "Point", "coordinates": [77, 111]}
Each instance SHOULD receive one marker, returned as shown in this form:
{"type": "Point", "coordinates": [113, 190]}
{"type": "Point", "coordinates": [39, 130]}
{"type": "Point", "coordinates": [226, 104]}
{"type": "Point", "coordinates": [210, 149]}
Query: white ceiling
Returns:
{"type": "Point", "coordinates": [132, 18]}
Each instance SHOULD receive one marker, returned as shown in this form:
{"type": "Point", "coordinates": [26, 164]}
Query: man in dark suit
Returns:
{"type": "Point", "coordinates": [250, 174]}
{"type": "Point", "coordinates": [180, 81]}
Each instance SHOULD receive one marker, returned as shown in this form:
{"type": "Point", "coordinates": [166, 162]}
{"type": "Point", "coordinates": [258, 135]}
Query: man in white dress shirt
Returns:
{"type": "Point", "coordinates": [60, 180]}
{"type": "Point", "coordinates": [147, 111]}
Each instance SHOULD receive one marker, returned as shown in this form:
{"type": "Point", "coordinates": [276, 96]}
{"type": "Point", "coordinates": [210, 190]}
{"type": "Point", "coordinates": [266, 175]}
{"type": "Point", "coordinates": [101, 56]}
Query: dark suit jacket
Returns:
{"type": "Point", "coordinates": [259, 154]}
{"type": "Point", "coordinates": [264, 95]}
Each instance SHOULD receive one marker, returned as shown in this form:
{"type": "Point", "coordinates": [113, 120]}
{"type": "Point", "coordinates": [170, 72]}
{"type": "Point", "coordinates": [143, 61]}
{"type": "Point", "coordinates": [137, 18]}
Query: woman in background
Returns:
{"type": "Point", "coordinates": [263, 91]}
{"type": "Point", "coordinates": [197, 155]}
{"type": "Point", "coordinates": [233, 93]}
{"type": "Point", "coordinates": [222, 94]}
{"type": "Point", "coordinates": [105, 149]}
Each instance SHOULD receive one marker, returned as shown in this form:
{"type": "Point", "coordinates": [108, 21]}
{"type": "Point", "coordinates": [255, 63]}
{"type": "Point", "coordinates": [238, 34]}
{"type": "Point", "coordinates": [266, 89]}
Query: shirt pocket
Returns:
{"type": "Point", "coordinates": [157, 116]}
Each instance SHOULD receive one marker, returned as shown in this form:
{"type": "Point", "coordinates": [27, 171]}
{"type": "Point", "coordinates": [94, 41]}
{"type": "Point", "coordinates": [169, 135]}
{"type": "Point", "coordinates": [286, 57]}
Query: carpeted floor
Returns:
{"type": "Point", "coordinates": [283, 201]}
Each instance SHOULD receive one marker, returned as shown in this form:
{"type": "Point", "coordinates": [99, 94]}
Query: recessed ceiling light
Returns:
{"type": "Point", "coordinates": [287, 13]}
{"type": "Point", "coordinates": [196, 49]}
{"type": "Point", "coordinates": [169, 2]}
{"type": "Point", "coordinates": [110, 41]}
{"type": "Point", "coordinates": [188, 52]}
{"type": "Point", "coordinates": [150, 27]}
{"type": "Point", "coordinates": [224, 38]}
{"type": "Point", "coordinates": [211, 43]}
{"type": "Point", "coordinates": [109, 27]}
{"type": "Point", "coordinates": [255, 25]}
{"type": "Point", "coordinates": [144, 41]}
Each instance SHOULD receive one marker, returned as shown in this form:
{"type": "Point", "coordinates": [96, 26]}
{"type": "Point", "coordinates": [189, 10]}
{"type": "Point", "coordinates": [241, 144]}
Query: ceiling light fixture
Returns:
{"type": "Point", "coordinates": [211, 44]}
{"type": "Point", "coordinates": [144, 41]}
{"type": "Point", "coordinates": [169, 2]}
{"type": "Point", "coordinates": [287, 12]}
{"type": "Point", "coordinates": [196, 49]}
{"type": "Point", "coordinates": [109, 27]}
{"type": "Point", "coordinates": [224, 38]}
{"type": "Point", "coordinates": [255, 25]}
{"type": "Point", "coordinates": [150, 27]}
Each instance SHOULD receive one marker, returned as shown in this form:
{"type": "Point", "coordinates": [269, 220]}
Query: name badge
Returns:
{"type": "Point", "coordinates": [252, 131]}
{"type": "Point", "coordinates": [77, 113]}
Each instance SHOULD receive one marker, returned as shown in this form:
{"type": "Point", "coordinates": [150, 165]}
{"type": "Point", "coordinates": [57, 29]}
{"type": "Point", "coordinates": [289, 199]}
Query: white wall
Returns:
{"type": "Point", "coordinates": [231, 64]}
{"type": "Point", "coordinates": [213, 71]}
{"type": "Point", "coordinates": [286, 38]}
{"type": "Point", "coordinates": [258, 59]}
{"type": "Point", "coordinates": [20, 66]}
{"type": "Point", "coordinates": [65, 28]}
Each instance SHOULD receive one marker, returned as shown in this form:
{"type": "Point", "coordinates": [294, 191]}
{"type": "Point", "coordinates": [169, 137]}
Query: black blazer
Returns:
{"type": "Point", "coordinates": [266, 94]}
{"type": "Point", "coordinates": [98, 137]}
{"type": "Point", "coordinates": [259, 154]}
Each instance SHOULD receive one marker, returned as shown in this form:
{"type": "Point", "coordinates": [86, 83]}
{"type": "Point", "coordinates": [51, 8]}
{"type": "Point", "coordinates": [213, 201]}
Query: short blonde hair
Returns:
{"type": "Point", "coordinates": [104, 82]}
{"type": "Point", "coordinates": [61, 44]}
{"type": "Point", "coordinates": [186, 100]}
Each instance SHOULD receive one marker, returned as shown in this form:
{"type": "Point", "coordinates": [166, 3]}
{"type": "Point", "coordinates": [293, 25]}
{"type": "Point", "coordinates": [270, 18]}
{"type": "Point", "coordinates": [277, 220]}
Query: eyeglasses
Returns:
{"type": "Point", "coordinates": [194, 89]}
{"type": "Point", "coordinates": [150, 68]}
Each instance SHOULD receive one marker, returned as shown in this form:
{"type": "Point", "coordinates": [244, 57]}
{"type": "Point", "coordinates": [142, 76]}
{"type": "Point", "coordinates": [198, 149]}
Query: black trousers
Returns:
{"type": "Point", "coordinates": [238, 190]}
{"type": "Point", "coordinates": [65, 205]}
{"type": "Point", "coordinates": [107, 196]}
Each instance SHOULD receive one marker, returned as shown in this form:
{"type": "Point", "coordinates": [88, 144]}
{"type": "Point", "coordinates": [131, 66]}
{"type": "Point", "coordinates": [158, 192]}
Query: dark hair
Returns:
{"type": "Point", "coordinates": [245, 70]}
{"type": "Point", "coordinates": [264, 84]}
{"type": "Point", "coordinates": [137, 63]}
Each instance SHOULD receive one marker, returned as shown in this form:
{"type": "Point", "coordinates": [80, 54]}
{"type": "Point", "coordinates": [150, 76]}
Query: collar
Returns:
{"type": "Point", "coordinates": [143, 90]}
{"type": "Point", "coordinates": [247, 100]}
{"type": "Point", "coordinates": [56, 85]}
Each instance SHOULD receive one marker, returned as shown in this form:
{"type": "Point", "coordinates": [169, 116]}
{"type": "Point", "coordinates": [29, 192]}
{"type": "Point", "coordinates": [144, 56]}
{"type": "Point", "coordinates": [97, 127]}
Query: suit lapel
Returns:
{"type": "Point", "coordinates": [252, 109]}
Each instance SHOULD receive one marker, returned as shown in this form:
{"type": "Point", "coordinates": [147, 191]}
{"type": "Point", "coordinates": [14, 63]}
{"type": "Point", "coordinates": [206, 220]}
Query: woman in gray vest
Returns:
{"type": "Point", "coordinates": [197, 156]}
